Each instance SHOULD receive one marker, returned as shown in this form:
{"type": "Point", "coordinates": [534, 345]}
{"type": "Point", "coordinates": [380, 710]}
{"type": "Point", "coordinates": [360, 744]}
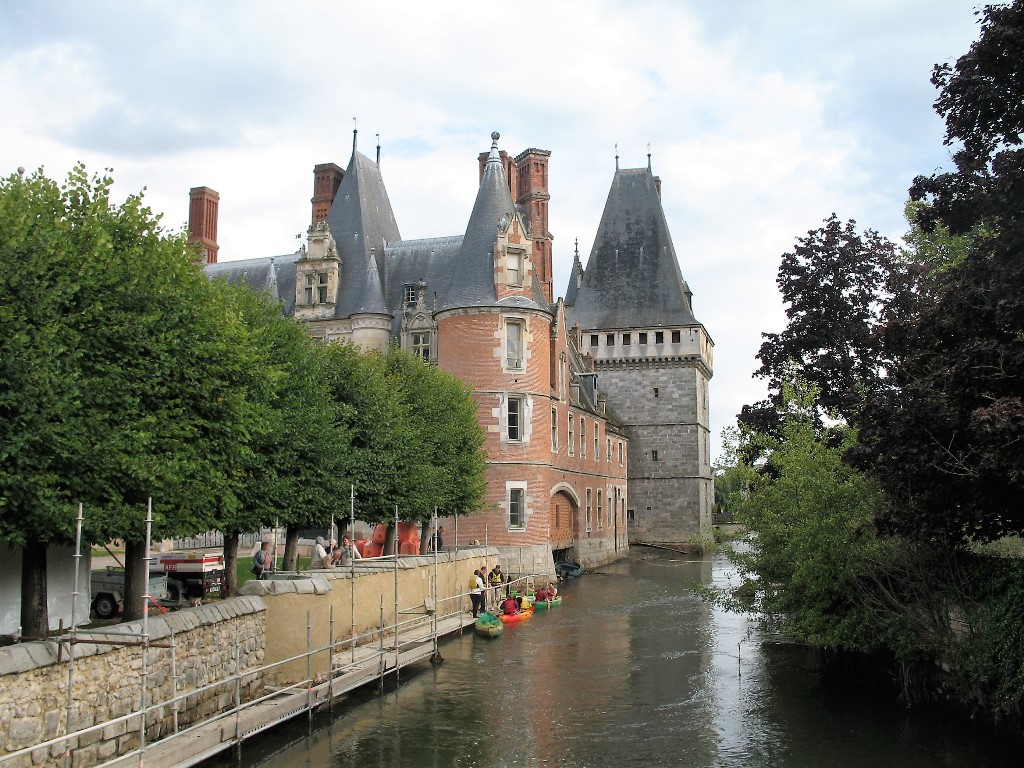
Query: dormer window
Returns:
{"type": "Point", "coordinates": [514, 268]}
{"type": "Point", "coordinates": [421, 344]}
{"type": "Point", "coordinates": [316, 284]}
{"type": "Point", "coordinates": [409, 293]}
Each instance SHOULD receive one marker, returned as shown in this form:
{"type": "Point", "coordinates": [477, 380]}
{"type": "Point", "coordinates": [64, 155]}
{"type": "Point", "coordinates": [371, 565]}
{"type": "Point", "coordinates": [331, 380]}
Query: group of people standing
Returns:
{"type": "Point", "coordinates": [328, 554]}
{"type": "Point", "coordinates": [485, 588]}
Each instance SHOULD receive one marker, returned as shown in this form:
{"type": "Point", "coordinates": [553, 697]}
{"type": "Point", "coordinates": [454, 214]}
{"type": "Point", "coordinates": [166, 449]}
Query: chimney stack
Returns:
{"type": "Point", "coordinates": [202, 221]}
{"type": "Point", "coordinates": [326, 180]}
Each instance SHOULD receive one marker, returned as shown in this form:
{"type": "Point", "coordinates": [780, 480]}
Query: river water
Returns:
{"type": "Point", "coordinates": [632, 669]}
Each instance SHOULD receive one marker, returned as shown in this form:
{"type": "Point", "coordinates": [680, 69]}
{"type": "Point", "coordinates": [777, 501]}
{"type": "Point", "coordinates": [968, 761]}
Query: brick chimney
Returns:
{"type": "Point", "coordinates": [202, 221]}
{"type": "Point", "coordinates": [531, 192]}
{"type": "Point", "coordinates": [326, 180]}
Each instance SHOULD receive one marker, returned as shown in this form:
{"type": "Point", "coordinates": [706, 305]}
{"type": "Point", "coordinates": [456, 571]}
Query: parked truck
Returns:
{"type": "Point", "coordinates": [107, 590]}
{"type": "Point", "coordinates": [191, 575]}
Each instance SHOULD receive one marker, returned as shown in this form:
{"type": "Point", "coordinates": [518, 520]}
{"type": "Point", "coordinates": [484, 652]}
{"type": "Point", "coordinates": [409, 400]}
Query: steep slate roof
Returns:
{"type": "Point", "coordinates": [274, 275]}
{"type": "Point", "coordinates": [472, 281]}
{"type": "Point", "coordinates": [632, 279]}
{"type": "Point", "coordinates": [361, 222]}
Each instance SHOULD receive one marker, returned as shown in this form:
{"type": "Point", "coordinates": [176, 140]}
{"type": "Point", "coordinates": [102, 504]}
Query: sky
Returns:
{"type": "Point", "coordinates": [762, 118]}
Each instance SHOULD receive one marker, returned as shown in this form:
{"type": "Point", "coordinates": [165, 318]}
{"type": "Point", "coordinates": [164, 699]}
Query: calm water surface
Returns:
{"type": "Point", "coordinates": [631, 669]}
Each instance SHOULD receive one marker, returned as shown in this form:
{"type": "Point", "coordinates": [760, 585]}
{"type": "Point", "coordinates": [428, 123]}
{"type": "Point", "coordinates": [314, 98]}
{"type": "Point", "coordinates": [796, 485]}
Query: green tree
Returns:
{"type": "Point", "coordinates": [810, 524]}
{"type": "Point", "coordinates": [452, 462]}
{"type": "Point", "coordinates": [296, 464]}
{"type": "Point", "coordinates": [385, 448]}
{"type": "Point", "coordinates": [945, 434]}
{"type": "Point", "coordinates": [152, 395]}
{"type": "Point", "coordinates": [839, 286]}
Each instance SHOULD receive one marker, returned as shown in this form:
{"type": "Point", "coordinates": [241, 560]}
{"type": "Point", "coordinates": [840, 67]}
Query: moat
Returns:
{"type": "Point", "coordinates": [632, 669]}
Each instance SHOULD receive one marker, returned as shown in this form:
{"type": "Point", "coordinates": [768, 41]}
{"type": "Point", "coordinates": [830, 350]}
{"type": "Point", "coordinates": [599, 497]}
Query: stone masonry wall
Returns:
{"type": "Point", "coordinates": [107, 681]}
{"type": "Point", "coordinates": [663, 410]}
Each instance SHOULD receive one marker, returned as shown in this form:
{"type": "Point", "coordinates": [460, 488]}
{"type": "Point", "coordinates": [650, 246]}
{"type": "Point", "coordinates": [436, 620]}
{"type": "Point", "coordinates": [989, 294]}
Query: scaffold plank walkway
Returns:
{"type": "Point", "coordinates": [350, 670]}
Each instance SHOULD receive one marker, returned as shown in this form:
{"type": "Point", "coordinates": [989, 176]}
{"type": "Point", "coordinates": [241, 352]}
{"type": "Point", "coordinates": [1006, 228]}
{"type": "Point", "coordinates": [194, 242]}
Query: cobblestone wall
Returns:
{"type": "Point", "coordinates": [107, 681]}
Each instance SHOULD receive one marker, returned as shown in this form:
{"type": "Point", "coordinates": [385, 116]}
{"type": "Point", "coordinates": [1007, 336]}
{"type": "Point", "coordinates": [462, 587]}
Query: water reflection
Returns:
{"type": "Point", "coordinates": [632, 669]}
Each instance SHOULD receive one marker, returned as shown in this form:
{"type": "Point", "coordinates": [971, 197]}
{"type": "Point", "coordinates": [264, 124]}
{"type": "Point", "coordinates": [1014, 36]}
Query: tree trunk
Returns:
{"type": "Point", "coordinates": [35, 618]}
{"type": "Point", "coordinates": [425, 544]}
{"type": "Point", "coordinates": [390, 540]}
{"type": "Point", "coordinates": [136, 580]}
{"type": "Point", "coordinates": [230, 563]}
{"type": "Point", "coordinates": [291, 549]}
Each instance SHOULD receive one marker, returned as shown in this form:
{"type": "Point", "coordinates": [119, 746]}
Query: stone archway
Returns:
{"type": "Point", "coordinates": [563, 511]}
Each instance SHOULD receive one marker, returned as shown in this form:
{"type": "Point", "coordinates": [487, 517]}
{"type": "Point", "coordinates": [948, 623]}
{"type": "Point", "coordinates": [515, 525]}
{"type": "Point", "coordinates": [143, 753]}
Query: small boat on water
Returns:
{"type": "Point", "coordinates": [512, 618]}
{"type": "Point", "coordinates": [488, 625]}
{"type": "Point", "coordinates": [568, 569]}
{"type": "Point", "coordinates": [543, 605]}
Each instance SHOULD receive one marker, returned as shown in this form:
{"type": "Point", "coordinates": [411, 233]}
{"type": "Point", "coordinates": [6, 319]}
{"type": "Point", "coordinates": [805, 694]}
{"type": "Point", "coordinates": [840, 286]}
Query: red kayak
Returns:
{"type": "Point", "coordinates": [512, 618]}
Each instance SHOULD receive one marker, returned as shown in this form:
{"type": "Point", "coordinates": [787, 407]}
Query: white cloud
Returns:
{"type": "Point", "coordinates": [763, 118]}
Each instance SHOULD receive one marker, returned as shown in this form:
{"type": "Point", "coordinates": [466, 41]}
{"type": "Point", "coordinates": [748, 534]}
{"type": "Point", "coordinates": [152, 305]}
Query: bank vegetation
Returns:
{"type": "Point", "coordinates": [881, 480]}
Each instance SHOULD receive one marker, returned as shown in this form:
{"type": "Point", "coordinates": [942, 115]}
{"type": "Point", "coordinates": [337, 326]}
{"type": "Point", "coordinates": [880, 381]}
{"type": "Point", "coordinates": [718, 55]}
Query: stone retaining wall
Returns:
{"type": "Point", "coordinates": [107, 681]}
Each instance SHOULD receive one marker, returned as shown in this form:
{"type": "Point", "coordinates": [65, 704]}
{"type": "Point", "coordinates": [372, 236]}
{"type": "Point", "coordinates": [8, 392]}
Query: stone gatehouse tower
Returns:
{"type": "Point", "coordinates": [633, 316]}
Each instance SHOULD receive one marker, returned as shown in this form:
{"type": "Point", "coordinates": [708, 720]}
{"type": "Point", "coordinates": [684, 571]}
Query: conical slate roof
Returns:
{"type": "Point", "coordinates": [361, 222]}
{"type": "Point", "coordinates": [372, 301]}
{"type": "Point", "coordinates": [632, 279]}
{"type": "Point", "coordinates": [473, 278]}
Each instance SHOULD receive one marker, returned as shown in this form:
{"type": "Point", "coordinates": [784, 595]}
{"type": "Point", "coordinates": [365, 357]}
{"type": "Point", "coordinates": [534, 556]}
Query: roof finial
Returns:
{"type": "Point", "coordinates": [616, 156]}
{"type": "Point", "coordinates": [354, 132]}
{"type": "Point", "coordinates": [577, 249]}
{"type": "Point", "coordinates": [494, 156]}
{"type": "Point", "coordinates": [648, 155]}
{"type": "Point", "coordinates": [378, 151]}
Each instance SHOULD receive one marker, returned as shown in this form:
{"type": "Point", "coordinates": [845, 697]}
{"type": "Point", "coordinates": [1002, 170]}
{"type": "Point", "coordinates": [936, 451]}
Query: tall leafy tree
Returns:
{"type": "Point", "coordinates": [296, 466]}
{"type": "Point", "coordinates": [946, 435]}
{"type": "Point", "coordinates": [385, 456]}
{"type": "Point", "coordinates": [452, 462]}
{"type": "Point", "coordinates": [159, 406]}
{"type": "Point", "coordinates": [839, 286]}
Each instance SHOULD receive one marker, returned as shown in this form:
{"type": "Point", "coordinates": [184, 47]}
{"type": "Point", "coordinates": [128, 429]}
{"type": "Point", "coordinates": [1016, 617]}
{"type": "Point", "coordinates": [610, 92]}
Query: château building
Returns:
{"type": "Point", "coordinates": [480, 304]}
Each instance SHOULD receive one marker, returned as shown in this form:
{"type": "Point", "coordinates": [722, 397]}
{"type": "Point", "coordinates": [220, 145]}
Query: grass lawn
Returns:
{"type": "Point", "coordinates": [243, 568]}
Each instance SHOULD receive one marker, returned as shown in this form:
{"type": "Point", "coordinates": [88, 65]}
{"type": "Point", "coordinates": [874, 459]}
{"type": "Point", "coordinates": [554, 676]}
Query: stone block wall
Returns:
{"type": "Point", "coordinates": [107, 682]}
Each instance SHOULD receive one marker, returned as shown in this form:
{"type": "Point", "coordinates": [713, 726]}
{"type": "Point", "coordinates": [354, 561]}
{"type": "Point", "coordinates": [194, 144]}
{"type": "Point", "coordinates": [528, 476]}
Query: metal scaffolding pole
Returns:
{"type": "Point", "coordinates": [74, 633]}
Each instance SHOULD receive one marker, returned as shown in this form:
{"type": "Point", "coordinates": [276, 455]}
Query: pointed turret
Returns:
{"type": "Point", "coordinates": [371, 320]}
{"type": "Point", "coordinates": [633, 277]}
{"type": "Point", "coordinates": [493, 213]}
{"type": "Point", "coordinates": [575, 277]}
{"type": "Point", "coordinates": [362, 223]}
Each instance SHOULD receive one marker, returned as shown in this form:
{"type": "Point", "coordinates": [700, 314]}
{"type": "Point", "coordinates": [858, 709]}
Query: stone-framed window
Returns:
{"type": "Point", "coordinates": [572, 435]}
{"type": "Point", "coordinates": [600, 515]}
{"type": "Point", "coordinates": [627, 339]}
{"type": "Point", "coordinates": [515, 332]}
{"type": "Point", "coordinates": [659, 337]}
{"type": "Point", "coordinates": [597, 441]}
{"type": "Point", "coordinates": [608, 450]}
{"type": "Point", "coordinates": [610, 339]}
{"type": "Point", "coordinates": [516, 501]}
{"type": "Point", "coordinates": [594, 339]}
{"type": "Point", "coordinates": [590, 510]}
{"type": "Point", "coordinates": [554, 430]}
{"type": "Point", "coordinates": [409, 293]}
{"type": "Point", "coordinates": [643, 337]}
{"type": "Point", "coordinates": [514, 268]}
{"type": "Point", "coordinates": [515, 418]}
{"type": "Point", "coordinates": [676, 336]}
{"type": "Point", "coordinates": [583, 438]}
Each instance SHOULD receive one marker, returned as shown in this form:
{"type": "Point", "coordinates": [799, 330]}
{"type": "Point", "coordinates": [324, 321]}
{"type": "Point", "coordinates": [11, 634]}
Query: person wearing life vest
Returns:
{"type": "Point", "coordinates": [509, 606]}
{"type": "Point", "coordinates": [494, 580]}
{"type": "Point", "coordinates": [541, 596]}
